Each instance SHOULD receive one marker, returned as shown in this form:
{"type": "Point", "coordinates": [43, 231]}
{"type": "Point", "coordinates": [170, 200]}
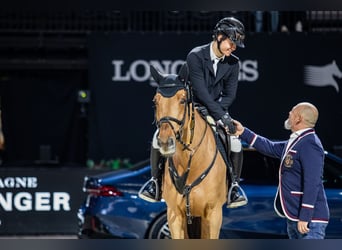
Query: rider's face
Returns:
{"type": "Point", "coordinates": [226, 46]}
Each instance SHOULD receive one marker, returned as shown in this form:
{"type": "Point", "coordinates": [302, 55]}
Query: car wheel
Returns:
{"type": "Point", "coordinates": [159, 229]}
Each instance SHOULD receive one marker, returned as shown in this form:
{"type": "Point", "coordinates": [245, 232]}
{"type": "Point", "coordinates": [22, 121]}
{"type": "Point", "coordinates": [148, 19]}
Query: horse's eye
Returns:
{"type": "Point", "coordinates": [182, 101]}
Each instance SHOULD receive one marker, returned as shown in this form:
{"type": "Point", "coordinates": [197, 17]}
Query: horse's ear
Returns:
{"type": "Point", "coordinates": [183, 73]}
{"type": "Point", "coordinates": [155, 74]}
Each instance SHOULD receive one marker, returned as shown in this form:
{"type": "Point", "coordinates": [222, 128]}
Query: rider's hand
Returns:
{"type": "Point", "coordinates": [227, 122]}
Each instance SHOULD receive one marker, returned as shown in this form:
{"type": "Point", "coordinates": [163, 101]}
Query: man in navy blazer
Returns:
{"type": "Point", "coordinates": [300, 196]}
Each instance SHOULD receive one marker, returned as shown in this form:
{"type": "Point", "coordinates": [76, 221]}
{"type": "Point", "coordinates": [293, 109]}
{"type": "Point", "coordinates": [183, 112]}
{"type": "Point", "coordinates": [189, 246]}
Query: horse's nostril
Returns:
{"type": "Point", "coordinates": [170, 142]}
{"type": "Point", "coordinates": [159, 143]}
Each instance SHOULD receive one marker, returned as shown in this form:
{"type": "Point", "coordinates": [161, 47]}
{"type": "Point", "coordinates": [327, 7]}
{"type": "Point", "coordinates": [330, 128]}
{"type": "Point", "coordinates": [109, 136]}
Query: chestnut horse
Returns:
{"type": "Point", "coordinates": [195, 185]}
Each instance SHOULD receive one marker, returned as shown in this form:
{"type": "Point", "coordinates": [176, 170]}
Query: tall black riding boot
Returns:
{"type": "Point", "coordinates": [151, 190]}
{"type": "Point", "coordinates": [237, 161]}
{"type": "Point", "coordinates": [236, 196]}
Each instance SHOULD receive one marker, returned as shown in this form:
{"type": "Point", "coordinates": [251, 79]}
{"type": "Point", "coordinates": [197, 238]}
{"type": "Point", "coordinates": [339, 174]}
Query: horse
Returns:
{"type": "Point", "coordinates": [195, 185]}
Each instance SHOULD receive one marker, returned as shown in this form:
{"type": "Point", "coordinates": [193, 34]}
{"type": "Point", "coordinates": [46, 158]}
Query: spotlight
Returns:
{"type": "Point", "coordinates": [83, 96]}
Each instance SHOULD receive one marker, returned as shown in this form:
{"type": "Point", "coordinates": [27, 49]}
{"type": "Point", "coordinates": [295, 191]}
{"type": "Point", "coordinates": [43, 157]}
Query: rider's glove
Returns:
{"type": "Point", "coordinates": [227, 122]}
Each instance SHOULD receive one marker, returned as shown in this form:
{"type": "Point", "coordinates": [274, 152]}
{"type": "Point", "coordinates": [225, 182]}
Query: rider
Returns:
{"type": "Point", "coordinates": [213, 72]}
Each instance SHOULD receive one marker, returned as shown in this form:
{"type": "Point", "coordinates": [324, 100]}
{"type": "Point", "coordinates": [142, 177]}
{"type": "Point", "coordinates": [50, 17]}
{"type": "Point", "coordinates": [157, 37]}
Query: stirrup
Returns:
{"type": "Point", "coordinates": [240, 190]}
{"type": "Point", "coordinates": [157, 197]}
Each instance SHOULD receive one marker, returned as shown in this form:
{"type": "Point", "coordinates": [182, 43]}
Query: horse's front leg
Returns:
{"type": "Point", "coordinates": [176, 222]}
{"type": "Point", "coordinates": [211, 224]}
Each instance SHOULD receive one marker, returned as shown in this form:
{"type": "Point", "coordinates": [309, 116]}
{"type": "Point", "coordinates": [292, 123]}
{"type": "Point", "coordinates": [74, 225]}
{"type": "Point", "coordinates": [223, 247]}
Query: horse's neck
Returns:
{"type": "Point", "coordinates": [201, 151]}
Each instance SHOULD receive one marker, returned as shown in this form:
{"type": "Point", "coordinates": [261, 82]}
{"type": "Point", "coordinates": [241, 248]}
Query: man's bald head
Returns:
{"type": "Point", "coordinates": [309, 113]}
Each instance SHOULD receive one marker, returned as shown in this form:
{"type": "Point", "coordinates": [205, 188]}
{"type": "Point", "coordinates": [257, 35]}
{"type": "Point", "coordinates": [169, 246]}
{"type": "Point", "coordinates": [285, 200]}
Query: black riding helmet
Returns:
{"type": "Point", "coordinates": [231, 28]}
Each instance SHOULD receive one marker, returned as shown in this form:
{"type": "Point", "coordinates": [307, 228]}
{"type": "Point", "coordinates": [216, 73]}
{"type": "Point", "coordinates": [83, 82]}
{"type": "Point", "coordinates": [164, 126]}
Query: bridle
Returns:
{"type": "Point", "coordinates": [188, 109]}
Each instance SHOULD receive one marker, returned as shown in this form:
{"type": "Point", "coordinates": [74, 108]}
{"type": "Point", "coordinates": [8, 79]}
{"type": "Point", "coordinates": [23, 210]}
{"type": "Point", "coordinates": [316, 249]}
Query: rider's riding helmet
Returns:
{"type": "Point", "coordinates": [231, 28]}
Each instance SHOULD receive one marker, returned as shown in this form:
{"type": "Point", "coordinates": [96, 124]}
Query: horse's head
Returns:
{"type": "Point", "coordinates": [171, 104]}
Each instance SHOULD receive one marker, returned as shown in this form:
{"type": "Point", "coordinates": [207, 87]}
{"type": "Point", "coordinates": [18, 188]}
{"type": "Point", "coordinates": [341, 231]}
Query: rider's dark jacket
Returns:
{"type": "Point", "coordinates": [218, 92]}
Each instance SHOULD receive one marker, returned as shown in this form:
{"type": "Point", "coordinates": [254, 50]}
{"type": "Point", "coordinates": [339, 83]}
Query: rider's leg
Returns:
{"type": "Point", "coordinates": [237, 198]}
{"type": "Point", "coordinates": [151, 190]}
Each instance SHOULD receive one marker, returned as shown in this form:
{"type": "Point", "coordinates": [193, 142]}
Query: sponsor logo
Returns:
{"type": "Point", "coordinates": [322, 76]}
{"type": "Point", "coordinates": [248, 70]}
{"type": "Point", "coordinates": [139, 70]}
{"type": "Point", "coordinates": [30, 199]}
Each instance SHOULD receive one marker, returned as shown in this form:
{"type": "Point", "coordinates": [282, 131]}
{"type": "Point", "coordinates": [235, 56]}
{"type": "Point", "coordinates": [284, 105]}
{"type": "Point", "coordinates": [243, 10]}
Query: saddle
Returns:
{"type": "Point", "coordinates": [222, 138]}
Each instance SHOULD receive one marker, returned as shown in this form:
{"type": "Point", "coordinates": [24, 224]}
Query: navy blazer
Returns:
{"type": "Point", "coordinates": [300, 194]}
{"type": "Point", "coordinates": [218, 92]}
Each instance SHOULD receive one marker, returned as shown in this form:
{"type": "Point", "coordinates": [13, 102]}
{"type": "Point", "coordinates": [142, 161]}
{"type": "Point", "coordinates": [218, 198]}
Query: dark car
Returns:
{"type": "Point", "coordinates": [112, 208]}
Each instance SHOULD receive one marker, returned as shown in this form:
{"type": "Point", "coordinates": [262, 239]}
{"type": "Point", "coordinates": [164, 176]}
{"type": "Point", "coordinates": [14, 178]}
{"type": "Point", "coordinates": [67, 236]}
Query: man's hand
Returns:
{"type": "Point", "coordinates": [227, 122]}
{"type": "Point", "coordinates": [239, 127]}
{"type": "Point", "coordinates": [302, 227]}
